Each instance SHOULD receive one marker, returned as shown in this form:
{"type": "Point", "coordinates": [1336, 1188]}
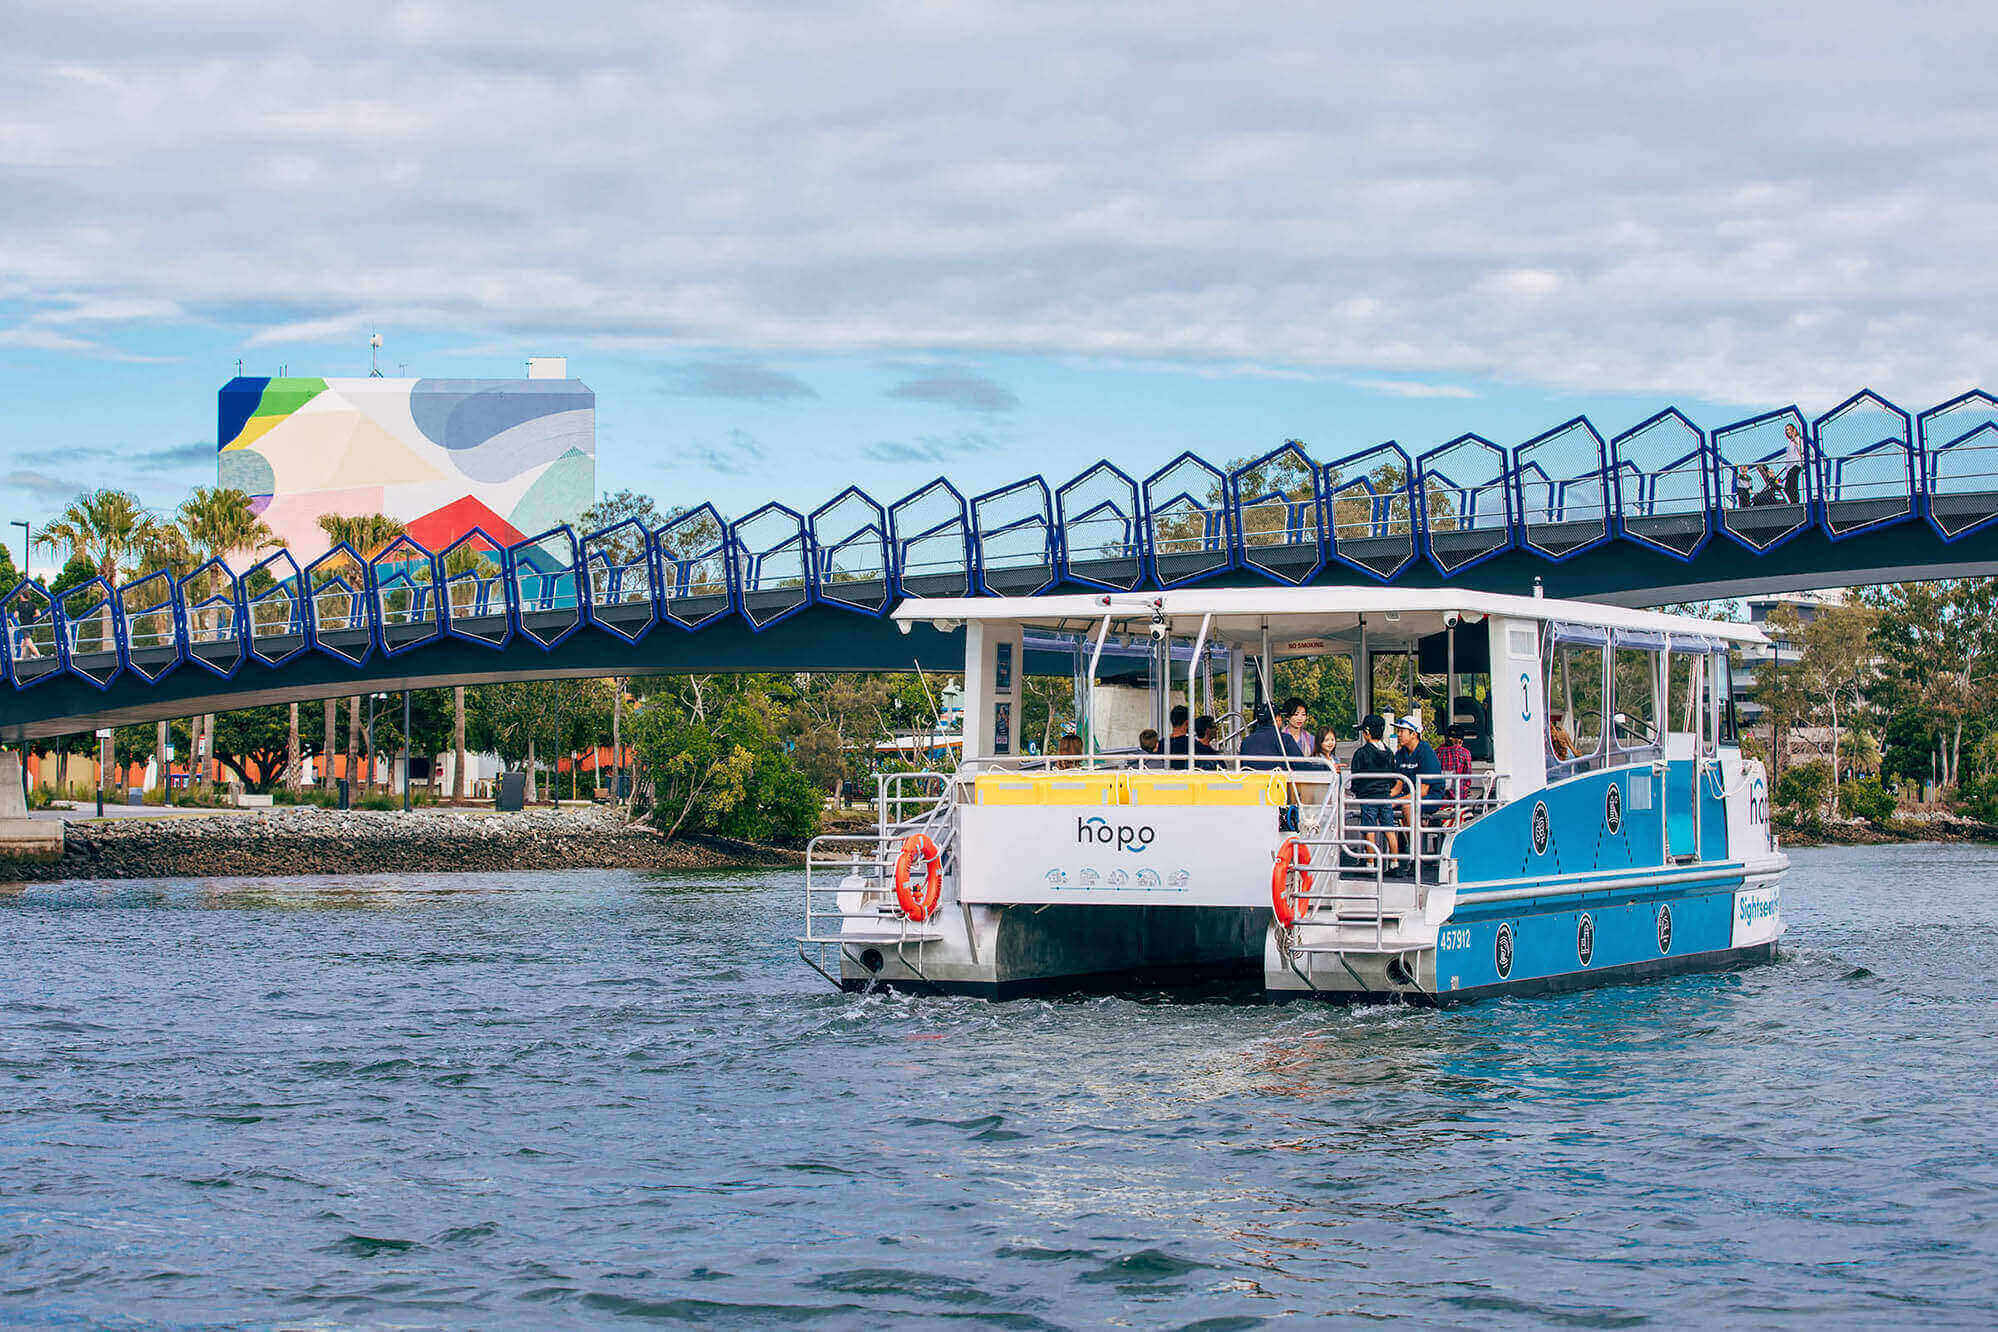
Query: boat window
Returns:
{"type": "Point", "coordinates": [1682, 698]}
{"type": "Point", "coordinates": [1636, 713]}
{"type": "Point", "coordinates": [1724, 684]}
{"type": "Point", "coordinates": [1574, 702]}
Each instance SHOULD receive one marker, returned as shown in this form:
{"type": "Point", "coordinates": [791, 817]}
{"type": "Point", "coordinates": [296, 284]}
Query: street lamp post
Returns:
{"type": "Point", "coordinates": [26, 543]}
{"type": "Point", "coordinates": [405, 751]}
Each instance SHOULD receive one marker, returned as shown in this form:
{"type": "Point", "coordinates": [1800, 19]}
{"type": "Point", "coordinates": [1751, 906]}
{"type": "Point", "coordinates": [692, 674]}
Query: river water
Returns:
{"type": "Point", "coordinates": [597, 1097]}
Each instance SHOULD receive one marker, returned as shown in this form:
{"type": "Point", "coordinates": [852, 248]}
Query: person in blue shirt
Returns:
{"type": "Point", "coordinates": [1267, 741]}
{"type": "Point", "coordinates": [1415, 760]}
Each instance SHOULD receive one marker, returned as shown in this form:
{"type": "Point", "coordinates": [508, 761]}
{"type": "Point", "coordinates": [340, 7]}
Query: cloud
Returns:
{"type": "Point", "coordinates": [176, 457]}
{"type": "Point", "coordinates": [735, 452]}
{"type": "Point", "coordinates": [43, 339]}
{"type": "Point", "coordinates": [960, 389]}
{"type": "Point", "coordinates": [740, 379]}
{"type": "Point", "coordinates": [44, 488]}
{"type": "Point", "coordinates": [929, 449]}
{"type": "Point", "coordinates": [1409, 388]}
{"type": "Point", "coordinates": [308, 330]}
{"type": "Point", "coordinates": [111, 310]}
{"type": "Point", "coordinates": [1367, 189]}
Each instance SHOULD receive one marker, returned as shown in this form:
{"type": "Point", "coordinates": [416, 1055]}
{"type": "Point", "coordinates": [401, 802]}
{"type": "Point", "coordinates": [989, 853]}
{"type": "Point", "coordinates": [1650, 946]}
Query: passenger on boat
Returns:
{"type": "Point", "coordinates": [1148, 740]}
{"type": "Point", "coordinates": [1205, 732]}
{"type": "Point", "coordinates": [1297, 725]}
{"type": "Point", "coordinates": [1179, 742]}
{"type": "Point", "coordinates": [1370, 808]}
{"type": "Point", "coordinates": [1455, 756]}
{"type": "Point", "coordinates": [1558, 740]}
{"type": "Point", "coordinates": [1070, 749]}
{"type": "Point", "coordinates": [1267, 741]}
{"type": "Point", "coordinates": [1417, 761]}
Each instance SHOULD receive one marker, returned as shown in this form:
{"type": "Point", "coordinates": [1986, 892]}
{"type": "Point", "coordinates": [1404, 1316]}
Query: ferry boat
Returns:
{"type": "Point", "coordinates": [1609, 827]}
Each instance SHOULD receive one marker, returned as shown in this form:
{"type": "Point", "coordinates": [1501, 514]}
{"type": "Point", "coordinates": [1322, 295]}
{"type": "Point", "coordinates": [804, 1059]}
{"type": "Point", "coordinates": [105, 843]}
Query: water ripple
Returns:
{"type": "Point", "coordinates": [605, 1097]}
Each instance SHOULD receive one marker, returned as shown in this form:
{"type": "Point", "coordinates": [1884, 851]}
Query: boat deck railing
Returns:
{"type": "Point", "coordinates": [1372, 859]}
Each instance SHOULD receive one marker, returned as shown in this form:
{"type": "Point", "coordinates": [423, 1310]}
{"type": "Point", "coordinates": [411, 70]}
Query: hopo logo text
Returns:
{"type": "Point", "coordinates": [1124, 836]}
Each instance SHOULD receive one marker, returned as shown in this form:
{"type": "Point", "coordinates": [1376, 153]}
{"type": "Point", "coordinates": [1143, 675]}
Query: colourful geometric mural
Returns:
{"type": "Point", "coordinates": [511, 456]}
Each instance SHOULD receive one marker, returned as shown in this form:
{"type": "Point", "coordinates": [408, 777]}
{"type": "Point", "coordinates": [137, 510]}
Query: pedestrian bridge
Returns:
{"type": "Point", "coordinates": [1665, 511]}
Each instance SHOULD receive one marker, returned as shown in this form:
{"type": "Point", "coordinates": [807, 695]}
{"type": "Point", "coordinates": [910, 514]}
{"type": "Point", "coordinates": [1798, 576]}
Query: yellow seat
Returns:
{"type": "Point", "coordinates": [1081, 788]}
{"type": "Point", "coordinates": [1163, 788]}
{"type": "Point", "coordinates": [1005, 788]}
{"type": "Point", "coordinates": [1048, 788]}
{"type": "Point", "coordinates": [1246, 788]}
{"type": "Point", "coordinates": [1204, 788]}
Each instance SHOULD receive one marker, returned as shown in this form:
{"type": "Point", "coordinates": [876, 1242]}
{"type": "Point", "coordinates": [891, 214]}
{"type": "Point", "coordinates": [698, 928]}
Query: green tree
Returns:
{"type": "Point", "coordinates": [708, 746]}
{"type": "Point", "coordinates": [107, 527]}
{"type": "Point", "coordinates": [75, 572]}
{"type": "Point", "coordinates": [368, 533]}
{"type": "Point", "coordinates": [253, 744]}
{"type": "Point", "coordinates": [1803, 789]}
{"type": "Point", "coordinates": [1936, 642]}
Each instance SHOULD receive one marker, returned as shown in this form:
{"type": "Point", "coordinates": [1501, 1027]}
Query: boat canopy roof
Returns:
{"type": "Point", "coordinates": [1326, 615]}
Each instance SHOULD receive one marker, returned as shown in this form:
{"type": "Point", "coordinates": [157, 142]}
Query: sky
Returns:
{"type": "Point", "coordinates": [794, 247]}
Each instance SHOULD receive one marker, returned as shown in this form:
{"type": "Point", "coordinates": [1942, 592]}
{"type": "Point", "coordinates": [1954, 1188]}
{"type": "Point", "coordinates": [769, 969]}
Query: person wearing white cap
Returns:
{"type": "Point", "coordinates": [1415, 760]}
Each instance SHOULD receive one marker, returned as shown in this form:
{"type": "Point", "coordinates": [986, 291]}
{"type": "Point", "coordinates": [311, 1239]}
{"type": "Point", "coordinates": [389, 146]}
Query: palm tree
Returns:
{"type": "Point", "coordinates": [219, 523]}
{"type": "Point", "coordinates": [368, 533]}
{"type": "Point", "coordinates": [108, 527]}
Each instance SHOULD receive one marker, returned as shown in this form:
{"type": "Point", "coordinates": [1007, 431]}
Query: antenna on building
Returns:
{"type": "Point", "coordinates": [374, 355]}
{"type": "Point", "coordinates": [239, 367]}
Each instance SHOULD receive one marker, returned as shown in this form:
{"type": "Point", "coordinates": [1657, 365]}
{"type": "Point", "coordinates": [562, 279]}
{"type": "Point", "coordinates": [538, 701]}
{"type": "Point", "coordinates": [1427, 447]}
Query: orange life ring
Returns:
{"type": "Point", "coordinates": [919, 908]}
{"type": "Point", "coordinates": [1290, 856]}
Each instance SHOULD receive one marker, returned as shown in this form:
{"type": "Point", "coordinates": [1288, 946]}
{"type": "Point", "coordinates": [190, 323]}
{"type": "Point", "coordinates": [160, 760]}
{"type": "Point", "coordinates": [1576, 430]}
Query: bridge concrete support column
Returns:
{"type": "Point", "coordinates": [21, 837]}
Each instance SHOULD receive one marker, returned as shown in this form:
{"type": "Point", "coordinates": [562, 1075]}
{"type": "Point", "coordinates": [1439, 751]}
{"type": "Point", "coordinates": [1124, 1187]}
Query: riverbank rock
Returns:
{"type": "Point", "coordinates": [309, 840]}
{"type": "Point", "coordinates": [1925, 826]}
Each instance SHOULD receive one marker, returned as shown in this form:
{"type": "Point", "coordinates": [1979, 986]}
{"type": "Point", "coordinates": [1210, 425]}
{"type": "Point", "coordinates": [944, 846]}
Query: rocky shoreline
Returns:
{"type": "Point", "coordinates": [289, 841]}
{"type": "Point", "coordinates": [1940, 826]}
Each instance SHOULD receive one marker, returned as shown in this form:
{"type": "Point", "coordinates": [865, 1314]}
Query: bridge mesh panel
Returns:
{"type": "Point", "coordinates": [547, 591]}
{"type": "Point", "coordinates": [150, 611]}
{"type": "Point", "coordinates": [88, 617]}
{"type": "Point", "coordinates": [931, 529]}
{"type": "Point", "coordinates": [1765, 485]}
{"type": "Point", "coordinates": [617, 569]}
{"type": "Point", "coordinates": [33, 654]}
{"type": "Point", "coordinates": [1960, 456]}
{"type": "Point", "coordinates": [850, 543]}
{"type": "Point", "coordinates": [772, 554]}
{"type": "Point", "coordinates": [1466, 502]}
{"type": "Point", "coordinates": [692, 549]}
{"type": "Point", "coordinates": [1101, 541]}
{"type": "Point", "coordinates": [475, 588]}
{"type": "Point", "coordinates": [1370, 499]}
{"type": "Point", "coordinates": [1014, 531]}
{"type": "Point", "coordinates": [408, 601]}
{"type": "Point", "coordinates": [338, 620]}
{"type": "Point", "coordinates": [1561, 488]}
{"type": "Point", "coordinates": [272, 595]}
{"type": "Point", "coordinates": [1865, 464]}
{"type": "Point", "coordinates": [1663, 477]}
{"type": "Point", "coordinates": [1279, 508]}
{"type": "Point", "coordinates": [1187, 521]}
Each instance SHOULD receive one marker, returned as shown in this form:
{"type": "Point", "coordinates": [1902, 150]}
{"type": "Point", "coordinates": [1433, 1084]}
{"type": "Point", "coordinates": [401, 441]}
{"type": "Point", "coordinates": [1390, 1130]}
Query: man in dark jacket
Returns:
{"type": "Point", "coordinates": [1373, 757]}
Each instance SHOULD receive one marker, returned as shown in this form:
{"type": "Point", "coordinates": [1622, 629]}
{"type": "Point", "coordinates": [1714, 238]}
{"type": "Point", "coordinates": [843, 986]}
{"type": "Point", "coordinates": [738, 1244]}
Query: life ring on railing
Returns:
{"type": "Point", "coordinates": [919, 846]}
{"type": "Point", "coordinates": [1289, 857]}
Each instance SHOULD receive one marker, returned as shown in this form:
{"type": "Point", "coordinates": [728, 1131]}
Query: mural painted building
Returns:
{"type": "Point", "coordinates": [511, 456]}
